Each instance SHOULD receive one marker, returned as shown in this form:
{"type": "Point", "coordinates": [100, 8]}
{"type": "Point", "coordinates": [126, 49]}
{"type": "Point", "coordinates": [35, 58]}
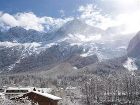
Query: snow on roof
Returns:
{"type": "Point", "coordinates": [1, 94]}
{"type": "Point", "coordinates": [18, 88]}
{"type": "Point", "coordinates": [47, 95]}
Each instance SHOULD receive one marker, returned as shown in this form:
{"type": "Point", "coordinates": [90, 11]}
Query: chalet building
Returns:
{"type": "Point", "coordinates": [11, 92]}
{"type": "Point", "coordinates": [39, 98]}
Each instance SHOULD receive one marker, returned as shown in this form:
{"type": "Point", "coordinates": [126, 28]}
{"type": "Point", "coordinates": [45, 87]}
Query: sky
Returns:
{"type": "Point", "coordinates": [42, 7]}
{"type": "Point", "coordinates": [44, 15]}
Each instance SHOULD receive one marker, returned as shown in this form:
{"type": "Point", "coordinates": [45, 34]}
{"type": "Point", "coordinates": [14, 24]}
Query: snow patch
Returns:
{"type": "Point", "coordinates": [84, 38]}
{"type": "Point", "coordinates": [8, 44]}
{"type": "Point", "coordinates": [26, 45]}
{"type": "Point", "coordinates": [73, 44]}
{"type": "Point", "coordinates": [92, 50]}
{"type": "Point", "coordinates": [130, 65]}
{"type": "Point", "coordinates": [75, 68]}
{"type": "Point", "coordinates": [122, 47]}
{"type": "Point", "coordinates": [50, 45]}
{"type": "Point", "coordinates": [11, 67]}
{"type": "Point", "coordinates": [48, 95]}
{"type": "Point", "coordinates": [27, 49]}
{"type": "Point", "coordinates": [32, 48]}
{"type": "Point", "coordinates": [85, 55]}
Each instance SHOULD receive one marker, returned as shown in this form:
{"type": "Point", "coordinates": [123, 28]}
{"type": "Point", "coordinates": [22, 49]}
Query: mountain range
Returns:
{"type": "Point", "coordinates": [75, 43]}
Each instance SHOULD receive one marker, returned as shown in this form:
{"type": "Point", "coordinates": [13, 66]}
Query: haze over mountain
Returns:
{"type": "Point", "coordinates": [75, 42]}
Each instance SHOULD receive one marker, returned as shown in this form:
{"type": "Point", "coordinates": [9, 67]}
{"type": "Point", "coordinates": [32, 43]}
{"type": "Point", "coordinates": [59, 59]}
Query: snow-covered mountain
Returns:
{"type": "Point", "coordinates": [133, 49]}
{"type": "Point", "coordinates": [75, 42]}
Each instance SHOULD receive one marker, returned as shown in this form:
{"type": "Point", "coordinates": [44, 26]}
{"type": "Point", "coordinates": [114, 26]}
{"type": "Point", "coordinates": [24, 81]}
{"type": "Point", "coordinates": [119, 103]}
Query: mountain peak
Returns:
{"type": "Point", "coordinates": [76, 22]}
{"type": "Point", "coordinates": [73, 25]}
{"type": "Point", "coordinates": [17, 28]}
{"type": "Point", "coordinates": [78, 27]}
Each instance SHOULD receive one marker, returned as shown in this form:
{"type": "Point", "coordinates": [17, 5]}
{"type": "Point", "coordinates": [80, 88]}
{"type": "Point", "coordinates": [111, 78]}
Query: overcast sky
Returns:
{"type": "Point", "coordinates": [49, 14]}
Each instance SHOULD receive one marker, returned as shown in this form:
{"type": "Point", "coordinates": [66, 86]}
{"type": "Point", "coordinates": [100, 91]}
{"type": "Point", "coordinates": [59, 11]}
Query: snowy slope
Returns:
{"type": "Point", "coordinates": [22, 50]}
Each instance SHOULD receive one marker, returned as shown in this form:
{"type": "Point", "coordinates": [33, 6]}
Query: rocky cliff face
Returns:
{"type": "Point", "coordinates": [134, 46]}
{"type": "Point", "coordinates": [133, 49]}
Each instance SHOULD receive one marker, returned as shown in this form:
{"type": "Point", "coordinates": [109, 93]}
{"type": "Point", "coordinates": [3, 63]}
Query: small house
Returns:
{"type": "Point", "coordinates": [11, 92]}
{"type": "Point", "coordinates": [39, 98]}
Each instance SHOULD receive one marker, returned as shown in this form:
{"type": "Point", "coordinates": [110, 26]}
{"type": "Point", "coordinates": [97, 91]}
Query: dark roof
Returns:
{"type": "Point", "coordinates": [50, 96]}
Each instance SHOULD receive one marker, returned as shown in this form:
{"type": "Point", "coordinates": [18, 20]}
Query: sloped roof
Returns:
{"type": "Point", "coordinates": [19, 88]}
{"type": "Point", "coordinates": [50, 96]}
{"type": "Point", "coordinates": [1, 94]}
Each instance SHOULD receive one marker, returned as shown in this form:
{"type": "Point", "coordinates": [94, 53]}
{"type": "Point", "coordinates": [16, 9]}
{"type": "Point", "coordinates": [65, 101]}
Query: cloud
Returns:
{"type": "Point", "coordinates": [128, 14]}
{"type": "Point", "coordinates": [54, 23]}
{"type": "Point", "coordinates": [9, 20]}
{"type": "Point", "coordinates": [0, 13]}
{"type": "Point", "coordinates": [30, 21]}
{"type": "Point", "coordinates": [93, 16]}
{"type": "Point", "coordinates": [131, 22]}
{"type": "Point", "coordinates": [62, 13]}
{"type": "Point", "coordinates": [124, 5]}
{"type": "Point", "coordinates": [126, 18]}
